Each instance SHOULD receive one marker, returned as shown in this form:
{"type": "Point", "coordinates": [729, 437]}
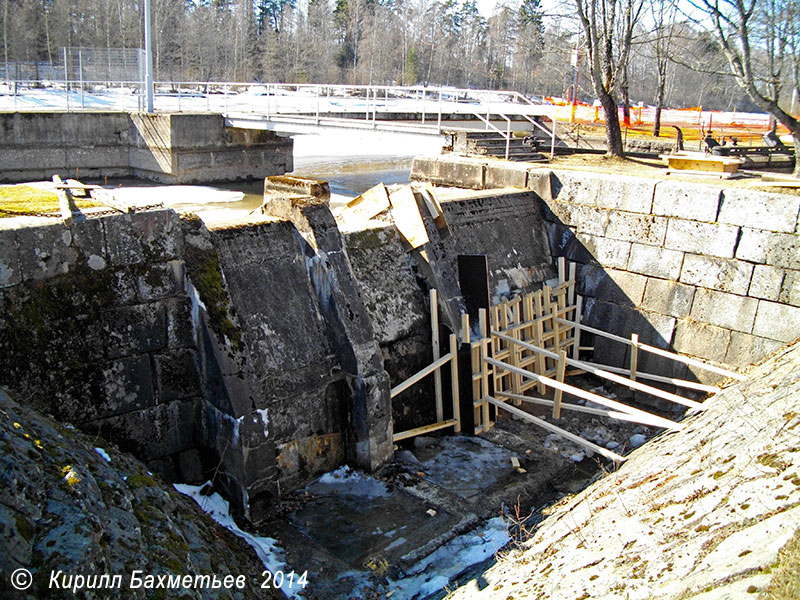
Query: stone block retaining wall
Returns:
{"type": "Point", "coordinates": [242, 354]}
{"type": "Point", "coordinates": [98, 313]}
{"type": "Point", "coordinates": [710, 271]}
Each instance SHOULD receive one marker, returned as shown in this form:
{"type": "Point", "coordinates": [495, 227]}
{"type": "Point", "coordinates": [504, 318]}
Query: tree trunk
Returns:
{"type": "Point", "coordinates": [796, 136]}
{"type": "Point", "coordinates": [659, 107]}
{"type": "Point", "coordinates": [626, 101]}
{"type": "Point", "coordinates": [613, 131]}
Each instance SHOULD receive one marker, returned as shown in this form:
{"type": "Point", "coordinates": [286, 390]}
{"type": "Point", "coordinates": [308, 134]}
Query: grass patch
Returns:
{"type": "Point", "coordinates": [785, 582]}
{"type": "Point", "coordinates": [24, 198]}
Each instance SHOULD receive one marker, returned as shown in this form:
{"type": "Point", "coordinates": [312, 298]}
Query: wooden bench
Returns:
{"type": "Point", "coordinates": [698, 163]}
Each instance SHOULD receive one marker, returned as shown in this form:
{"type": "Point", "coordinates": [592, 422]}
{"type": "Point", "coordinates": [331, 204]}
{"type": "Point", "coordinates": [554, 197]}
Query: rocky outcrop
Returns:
{"type": "Point", "coordinates": [75, 505]}
{"type": "Point", "coordinates": [697, 513]}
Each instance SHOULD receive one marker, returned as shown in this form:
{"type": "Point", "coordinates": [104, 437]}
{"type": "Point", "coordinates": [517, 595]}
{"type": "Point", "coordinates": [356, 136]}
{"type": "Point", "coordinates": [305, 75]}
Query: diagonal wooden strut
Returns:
{"type": "Point", "coordinates": [553, 428]}
{"type": "Point", "coordinates": [586, 395]}
{"type": "Point", "coordinates": [606, 375]}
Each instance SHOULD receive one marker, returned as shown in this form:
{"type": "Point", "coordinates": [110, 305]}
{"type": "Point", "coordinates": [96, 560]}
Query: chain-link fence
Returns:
{"type": "Point", "coordinates": [109, 65]}
{"type": "Point", "coordinates": [72, 73]}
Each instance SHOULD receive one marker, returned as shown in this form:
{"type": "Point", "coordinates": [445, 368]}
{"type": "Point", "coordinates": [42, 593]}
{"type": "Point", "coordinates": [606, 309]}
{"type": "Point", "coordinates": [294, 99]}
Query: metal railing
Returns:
{"type": "Point", "coordinates": [429, 108]}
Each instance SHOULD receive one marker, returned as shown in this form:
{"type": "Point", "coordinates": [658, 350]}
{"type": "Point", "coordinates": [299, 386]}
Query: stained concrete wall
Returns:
{"type": "Point", "coordinates": [394, 279]}
{"type": "Point", "coordinates": [169, 148]}
{"type": "Point", "coordinates": [241, 353]}
{"type": "Point", "coordinates": [710, 271]}
{"type": "Point", "coordinates": [94, 330]}
{"type": "Point", "coordinates": [397, 305]}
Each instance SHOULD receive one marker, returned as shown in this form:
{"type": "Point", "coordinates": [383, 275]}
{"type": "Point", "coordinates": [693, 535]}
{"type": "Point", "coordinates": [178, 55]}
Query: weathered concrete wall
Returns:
{"type": "Point", "coordinates": [243, 353]}
{"type": "Point", "coordinates": [707, 270]}
{"type": "Point", "coordinates": [396, 302]}
{"type": "Point", "coordinates": [170, 148]}
{"type": "Point", "coordinates": [698, 513]}
{"type": "Point", "coordinates": [394, 280]}
{"type": "Point", "coordinates": [93, 330]}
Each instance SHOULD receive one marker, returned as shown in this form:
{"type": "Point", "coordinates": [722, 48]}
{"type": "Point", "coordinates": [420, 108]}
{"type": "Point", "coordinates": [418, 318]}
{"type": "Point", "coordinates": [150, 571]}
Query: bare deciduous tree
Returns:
{"type": "Point", "coordinates": [608, 27]}
{"type": "Point", "coordinates": [753, 35]}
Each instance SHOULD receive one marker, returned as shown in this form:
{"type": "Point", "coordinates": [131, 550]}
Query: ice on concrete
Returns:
{"type": "Point", "coordinates": [344, 480]}
{"type": "Point", "coordinates": [464, 465]}
{"type": "Point", "coordinates": [266, 548]}
{"type": "Point", "coordinates": [435, 571]}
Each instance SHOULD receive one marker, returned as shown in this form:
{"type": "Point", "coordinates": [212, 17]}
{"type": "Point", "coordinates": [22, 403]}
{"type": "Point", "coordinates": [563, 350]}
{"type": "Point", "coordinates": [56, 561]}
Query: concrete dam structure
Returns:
{"type": "Point", "coordinates": [263, 354]}
{"type": "Point", "coordinates": [165, 147]}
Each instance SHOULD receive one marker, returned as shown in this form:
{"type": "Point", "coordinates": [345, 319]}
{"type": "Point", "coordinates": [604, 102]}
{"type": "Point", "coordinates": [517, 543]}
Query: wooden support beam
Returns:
{"type": "Point", "coordinates": [402, 435]}
{"type": "Point", "coordinates": [710, 389]}
{"type": "Point", "coordinates": [634, 355]}
{"type": "Point", "coordinates": [437, 376]}
{"type": "Point", "coordinates": [600, 412]}
{"type": "Point", "coordinates": [615, 378]}
{"type": "Point", "coordinates": [572, 280]}
{"type": "Point", "coordinates": [419, 375]}
{"type": "Point", "coordinates": [557, 430]}
{"type": "Point", "coordinates": [64, 200]}
{"type": "Point", "coordinates": [587, 395]}
{"type": "Point", "coordinates": [454, 382]}
{"type": "Point", "coordinates": [577, 331]}
{"type": "Point", "coordinates": [541, 362]}
{"type": "Point", "coordinates": [485, 424]}
{"type": "Point", "coordinates": [665, 353]}
{"type": "Point", "coordinates": [560, 369]}
{"type": "Point", "coordinates": [107, 198]}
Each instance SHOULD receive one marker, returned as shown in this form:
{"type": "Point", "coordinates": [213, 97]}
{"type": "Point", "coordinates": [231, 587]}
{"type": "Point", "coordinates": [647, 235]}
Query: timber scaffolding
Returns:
{"type": "Point", "coordinates": [527, 344]}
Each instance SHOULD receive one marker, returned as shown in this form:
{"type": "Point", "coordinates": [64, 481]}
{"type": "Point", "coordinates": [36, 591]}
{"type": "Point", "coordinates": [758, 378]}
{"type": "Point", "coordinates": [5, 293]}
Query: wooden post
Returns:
{"type": "Point", "coordinates": [550, 311]}
{"type": "Point", "coordinates": [485, 423]}
{"type": "Point", "coordinates": [573, 285]}
{"type": "Point", "coordinates": [634, 355]}
{"type": "Point", "coordinates": [64, 200]}
{"type": "Point", "coordinates": [515, 359]}
{"type": "Point", "coordinates": [562, 271]}
{"type": "Point", "coordinates": [454, 381]}
{"type": "Point", "coordinates": [538, 340]}
{"type": "Point", "coordinates": [561, 304]}
{"type": "Point", "coordinates": [437, 376]}
{"type": "Point", "coordinates": [576, 333]}
{"type": "Point", "coordinates": [560, 370]}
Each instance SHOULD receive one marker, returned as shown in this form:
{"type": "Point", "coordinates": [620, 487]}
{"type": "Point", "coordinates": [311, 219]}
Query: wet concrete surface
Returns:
{"type": "Point", "coordinates": [430, 516]}
{"type": "Point", "coordinates": [365, 518]}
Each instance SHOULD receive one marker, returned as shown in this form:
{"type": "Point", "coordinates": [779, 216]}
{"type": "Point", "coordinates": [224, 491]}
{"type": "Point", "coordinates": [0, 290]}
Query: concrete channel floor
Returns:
{"type": "Point", "coordinates": [429, 517]}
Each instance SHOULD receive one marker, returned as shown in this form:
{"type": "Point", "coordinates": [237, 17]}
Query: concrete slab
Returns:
{"type": "Point", "coordinates": [367, 520]}
{"type": "Point", "coordinates": [465, 466]}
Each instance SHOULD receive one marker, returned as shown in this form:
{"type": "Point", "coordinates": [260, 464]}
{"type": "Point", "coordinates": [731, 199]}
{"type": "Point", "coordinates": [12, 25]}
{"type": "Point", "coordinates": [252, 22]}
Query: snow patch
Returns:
{"type": "Point", "coordinates": [436, 570]}
{"type": "Point", "coordinates": [103, 454]}
{"type": "Point", "coordinates": [264, 419]}
{"type": "Point", "coordinates": [346, 481]}
{"type": "Point", "coordinates": [267, 549]}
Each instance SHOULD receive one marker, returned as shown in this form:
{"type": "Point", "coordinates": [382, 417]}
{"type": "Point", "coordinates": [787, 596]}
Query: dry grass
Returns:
{"type": "Point", "coordinates": [785, 584]}
{"type": "Point", "coordinates": [24, 198]}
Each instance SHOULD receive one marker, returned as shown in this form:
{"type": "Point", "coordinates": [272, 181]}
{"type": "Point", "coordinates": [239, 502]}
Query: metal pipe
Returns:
{"type": "Point", "coordinates": [148, 61]}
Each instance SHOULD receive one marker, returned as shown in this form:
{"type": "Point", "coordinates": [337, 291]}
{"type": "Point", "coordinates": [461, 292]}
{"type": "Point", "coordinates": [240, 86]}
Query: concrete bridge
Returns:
{"type": "Point", "coordinates": [290, 109]}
